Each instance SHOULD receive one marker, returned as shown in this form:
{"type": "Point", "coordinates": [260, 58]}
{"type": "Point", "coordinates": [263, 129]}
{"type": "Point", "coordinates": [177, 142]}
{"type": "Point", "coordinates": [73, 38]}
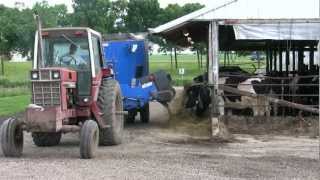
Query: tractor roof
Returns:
{"type": "Point", "coordinates": [73, 28]}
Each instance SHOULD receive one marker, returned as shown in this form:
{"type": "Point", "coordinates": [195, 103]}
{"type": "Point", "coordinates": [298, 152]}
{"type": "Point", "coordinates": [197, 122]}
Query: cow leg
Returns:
{"type": "Point", "coordinates": [267, 108]}
{"type": "Point", "coordinates": [221, 105]}
{"type": "Point", "coordinates": [255, 106]}
{"type": "Point", "coordinates": [275, 109]}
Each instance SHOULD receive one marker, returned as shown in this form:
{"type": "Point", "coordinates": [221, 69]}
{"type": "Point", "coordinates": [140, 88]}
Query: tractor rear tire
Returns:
{"type": "Point", "coordinates": [11, 138]}
{"type": "Point", "coordinates": [145, 114]}
{"type": "Point", "coordinates": [89, 139]}
{"type": "Point", "coordinates": [45, 139]}
{"type": "Point", "coordinates": [109, 102]}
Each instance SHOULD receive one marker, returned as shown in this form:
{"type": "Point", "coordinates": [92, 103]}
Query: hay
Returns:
{"type": "Point", "coordinates": [186, 122]}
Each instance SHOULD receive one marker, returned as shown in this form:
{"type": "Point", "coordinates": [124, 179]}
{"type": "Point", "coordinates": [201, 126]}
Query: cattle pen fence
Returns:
{"type": "Point", "coordinates": [262, 95]}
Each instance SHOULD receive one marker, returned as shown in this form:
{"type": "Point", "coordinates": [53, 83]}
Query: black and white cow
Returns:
{"type": "Point", "coordinates": [198, 95]}
{"type": "Point", "coordinates": [260, 106]}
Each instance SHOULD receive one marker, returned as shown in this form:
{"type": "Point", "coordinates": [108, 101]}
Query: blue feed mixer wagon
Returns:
{"type": "Point", "coordinates": [129, 61]}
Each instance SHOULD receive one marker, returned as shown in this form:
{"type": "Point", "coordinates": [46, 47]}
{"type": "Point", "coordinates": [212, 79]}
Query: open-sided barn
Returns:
{"type": "Point", "coordinates": [289, 39]}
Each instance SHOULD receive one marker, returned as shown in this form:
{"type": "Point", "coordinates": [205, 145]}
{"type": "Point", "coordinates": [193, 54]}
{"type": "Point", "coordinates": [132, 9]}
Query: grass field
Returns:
{"type": "Point", "coordinates": [13, 104]}
{"type": "Point", "coordinates": [187, 62]}
{"type": "Point", "coordinates": [14, 90]}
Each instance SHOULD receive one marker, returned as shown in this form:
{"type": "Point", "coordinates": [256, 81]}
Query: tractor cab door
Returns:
{"type": "Point", "coordinates": [87, 79]}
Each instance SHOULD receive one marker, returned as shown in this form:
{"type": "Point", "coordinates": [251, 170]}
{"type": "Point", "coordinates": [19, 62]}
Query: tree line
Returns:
{"type": "Point", "coordinates": [17, 26]}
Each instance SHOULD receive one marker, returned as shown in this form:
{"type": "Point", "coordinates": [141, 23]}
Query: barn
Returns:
{"type": "Point", "coordinates": [287, 32]}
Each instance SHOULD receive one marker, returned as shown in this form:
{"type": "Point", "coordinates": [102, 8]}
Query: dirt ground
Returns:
{"type": "Point", "coordinates": [155, 151]}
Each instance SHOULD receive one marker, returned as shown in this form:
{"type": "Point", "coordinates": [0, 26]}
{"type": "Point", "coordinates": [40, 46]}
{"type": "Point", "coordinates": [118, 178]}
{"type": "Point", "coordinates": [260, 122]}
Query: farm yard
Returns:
{"type": "Point", "coordinates": [232, 92]}
{"type": "Point", "coordinates": [158, 151]}
{"type": "Point", "coordinates": [153, 150]}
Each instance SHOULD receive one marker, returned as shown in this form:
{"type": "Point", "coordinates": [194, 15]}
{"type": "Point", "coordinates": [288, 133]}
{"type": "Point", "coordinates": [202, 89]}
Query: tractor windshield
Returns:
{"type": "Point", "coordinates": [64, 51]}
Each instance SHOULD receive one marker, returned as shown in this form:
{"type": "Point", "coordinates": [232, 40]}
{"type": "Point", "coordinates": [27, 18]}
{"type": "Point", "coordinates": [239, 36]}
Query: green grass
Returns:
{"type": "Point", "coordinates": [189, 63]}
{"type": "Point", "coordinates": [14, 91]}
{"type": "Point", "coordinates": [13, 104]}
{"type": "Point", "coordinates": [16, 72]}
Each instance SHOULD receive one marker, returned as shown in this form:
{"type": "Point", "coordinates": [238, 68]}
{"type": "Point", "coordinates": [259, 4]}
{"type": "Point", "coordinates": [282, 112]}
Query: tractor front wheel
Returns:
{"type": "Point", "coordinates": [44, 139]}
{"type": "Point", "coordinates": [11, 138]}
{"type": "Point", "coordinates": [110, 102]}
{"type": "Point", "coordinates": [89, 139]}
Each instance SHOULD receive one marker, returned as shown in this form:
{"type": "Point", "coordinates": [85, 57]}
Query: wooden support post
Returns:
{"type": "Point", "coordinates": [275, 60]}
{"type": "Point", "coordinates": [171, 60]}
{"type": "Point", "coordinates": [175, 57]}
{"type": "Point", "coordinates": [267, 61]}
{"type": "Point", "coordinates": [198, 58]}
{"type": "Point", "coordinates": [228, 57]}
{"type": "Point", "coordinates": [225, 58]}
{"type": "Point", "coordinates": [287, 61]}
{"type": "Point", "coordinates": [318, 50]}
{"type": "Point", "coordinates": [259, 60]}
{"type": "Point", "coordinates": [280, 60]}
{"type": "Point", "coordinates": [293, 60]}
{"type": "Point", "coordinates": [201, 61]}
{"type": "Point", "coordinates": [311, 58]}
{"type": "Point", "coordinates": [270, 59]}
{"type": "Point", "coordinates": [300, 60]}
{"type": "Point", "coordinates": [213, 73]}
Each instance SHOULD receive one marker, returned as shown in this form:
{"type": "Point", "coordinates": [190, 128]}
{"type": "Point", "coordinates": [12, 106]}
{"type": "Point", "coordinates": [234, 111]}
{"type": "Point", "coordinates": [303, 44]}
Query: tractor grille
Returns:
{"type": "Point", "coordinates": [45, 74]}
{"type": "Point", "coordinates": [46, 93]}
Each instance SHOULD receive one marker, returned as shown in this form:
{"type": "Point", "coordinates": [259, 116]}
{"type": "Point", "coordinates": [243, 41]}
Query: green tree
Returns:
{"type": "Point", "coordinates": [51, 16]}
{"type": "Point", "coordinates": [142, 14]}
{"type": "Point", "coordinates": [191, 7]}
{"type": "Point", "coordinates": [119, 9]}
{"type": "Point", "coordinates": [171, 12]}
{"type": "Point", "coordinates": [18, 27]}
{"type": "Point", "coordinates": [8, 27]}
{"type": "Point", "coordinates": [95, 14]}
{"type": "Point", "coordinates": [174, 11]}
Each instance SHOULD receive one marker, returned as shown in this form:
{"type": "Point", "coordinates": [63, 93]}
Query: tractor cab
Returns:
{"type": "Point", "coordinates": [73, 48]}
{"type": "Point", "coordinates": [71, 52]}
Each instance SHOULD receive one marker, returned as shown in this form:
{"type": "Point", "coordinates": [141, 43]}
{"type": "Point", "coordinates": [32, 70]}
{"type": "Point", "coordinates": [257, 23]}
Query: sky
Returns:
{"type": "Point", "coordinates": [277, 8]}
{"type": "Point", "coordinates": [29, 3]}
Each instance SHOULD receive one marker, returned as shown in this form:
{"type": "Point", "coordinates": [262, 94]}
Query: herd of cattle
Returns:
{"type": "Point", "coordinates": [301, 88]}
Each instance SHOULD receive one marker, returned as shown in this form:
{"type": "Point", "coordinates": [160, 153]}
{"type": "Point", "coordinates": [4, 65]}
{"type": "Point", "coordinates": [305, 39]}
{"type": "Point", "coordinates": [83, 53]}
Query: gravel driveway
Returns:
{"type": "Point", "coordinates": [154, 152]}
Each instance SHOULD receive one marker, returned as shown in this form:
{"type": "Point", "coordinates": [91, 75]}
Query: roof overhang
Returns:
{"type": "Point", "coordinates": [256, 33]}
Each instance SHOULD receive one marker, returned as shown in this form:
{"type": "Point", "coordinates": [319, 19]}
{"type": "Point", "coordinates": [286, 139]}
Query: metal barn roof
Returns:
{"type": "Point", "coordinates": [246, 9]}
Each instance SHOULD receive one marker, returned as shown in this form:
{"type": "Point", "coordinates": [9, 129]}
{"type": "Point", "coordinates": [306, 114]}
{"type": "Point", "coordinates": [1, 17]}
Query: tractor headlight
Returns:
{"type": "Point", "coordinates": [34, 75]}
{"type": "Point", "coordinates": [55, 75]}
{"type": "Point", "coordinates": [85, 100]}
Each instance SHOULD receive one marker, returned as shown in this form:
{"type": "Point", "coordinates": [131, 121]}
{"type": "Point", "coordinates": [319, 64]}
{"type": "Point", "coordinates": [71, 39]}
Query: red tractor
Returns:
{"type": "Point", "coordinates": [71, 92]}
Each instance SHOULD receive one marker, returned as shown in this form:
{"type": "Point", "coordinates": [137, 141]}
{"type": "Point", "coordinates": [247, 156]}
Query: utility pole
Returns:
{"type": "Point", "coordinates": [319, 80]}
{"type": "Point", "coordinates": [2, 63]}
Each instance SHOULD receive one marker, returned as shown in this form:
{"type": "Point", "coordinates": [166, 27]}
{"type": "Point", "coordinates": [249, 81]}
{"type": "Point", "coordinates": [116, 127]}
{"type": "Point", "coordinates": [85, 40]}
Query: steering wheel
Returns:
{"type": "Point", "coordinates": [71, 57]}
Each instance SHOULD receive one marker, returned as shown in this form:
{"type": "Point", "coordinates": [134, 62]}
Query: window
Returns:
{"type": "Point", "coordinates": [71, 53]}
{"type": "Point", "coordinates": [96, 54]}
